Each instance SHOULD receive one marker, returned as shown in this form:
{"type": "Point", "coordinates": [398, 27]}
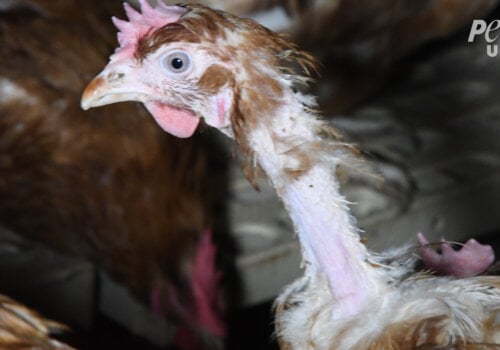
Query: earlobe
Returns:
{"type": "Point", "coordinates": [220, 108]}
{"type": "Point", "coordinates": [217, 82]}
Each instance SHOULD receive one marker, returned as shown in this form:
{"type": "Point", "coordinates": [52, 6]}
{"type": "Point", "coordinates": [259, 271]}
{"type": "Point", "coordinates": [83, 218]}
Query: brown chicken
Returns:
{"type": "Point", "coordinates": [106, 185]}
{"type": "Point", "coordinates": [188, 63]}
{"type": "Point", "coordinates": [24, 329]}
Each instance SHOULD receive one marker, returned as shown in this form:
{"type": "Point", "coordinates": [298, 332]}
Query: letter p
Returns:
{"type": "Point", "coordinates": [478, 27]}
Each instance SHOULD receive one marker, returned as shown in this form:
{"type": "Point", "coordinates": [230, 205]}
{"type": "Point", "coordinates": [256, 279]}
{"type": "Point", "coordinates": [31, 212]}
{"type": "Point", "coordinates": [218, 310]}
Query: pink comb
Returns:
{"type": "Point", "coordinates": [206, 286]}
{"type": "Point", "coordinates": [140, 23]}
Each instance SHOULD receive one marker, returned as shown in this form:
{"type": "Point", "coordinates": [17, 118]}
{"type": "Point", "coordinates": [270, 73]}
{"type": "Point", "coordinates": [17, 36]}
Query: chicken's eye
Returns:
{"type": "Point", "coordinates": [176, 62]}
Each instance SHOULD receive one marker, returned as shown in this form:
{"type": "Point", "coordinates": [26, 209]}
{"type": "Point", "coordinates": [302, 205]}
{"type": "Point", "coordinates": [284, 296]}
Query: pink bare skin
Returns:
{"type": "Point", "coordinates": [470, 260]}
{"type": "Point", "coordinates": [348, 298]}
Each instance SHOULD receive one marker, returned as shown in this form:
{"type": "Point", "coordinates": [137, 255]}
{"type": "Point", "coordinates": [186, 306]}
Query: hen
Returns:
{"type": "Point", "coordinates": [188, 63]}
{"type": "Point", "coordinates": [107, 185]}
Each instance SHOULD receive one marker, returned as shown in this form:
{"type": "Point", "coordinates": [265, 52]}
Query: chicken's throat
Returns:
{"type": "Point", "coordinates": [330, 242]}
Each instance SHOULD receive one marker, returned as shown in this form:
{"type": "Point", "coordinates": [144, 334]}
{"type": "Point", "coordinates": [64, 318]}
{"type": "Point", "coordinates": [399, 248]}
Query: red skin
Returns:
{"type": "Point", "coordinates": [206, 313]}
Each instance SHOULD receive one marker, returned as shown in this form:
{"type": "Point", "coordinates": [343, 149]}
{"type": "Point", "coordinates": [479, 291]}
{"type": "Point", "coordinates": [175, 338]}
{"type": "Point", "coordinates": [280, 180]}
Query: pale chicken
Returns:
{"type": "Point", "coordinates": [187, 63]}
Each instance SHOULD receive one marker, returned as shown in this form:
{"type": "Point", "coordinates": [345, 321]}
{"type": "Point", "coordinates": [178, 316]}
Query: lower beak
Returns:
{"type": "Point", "coordinates": [107, 88]}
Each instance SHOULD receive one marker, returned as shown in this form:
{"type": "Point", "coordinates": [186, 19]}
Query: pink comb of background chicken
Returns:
{"type": "Point", "coordinates": [206, 285]}
{"type": "Point", "coordinates": [140, 23]}
{"type": "Point", "coordinates": [208, 308]}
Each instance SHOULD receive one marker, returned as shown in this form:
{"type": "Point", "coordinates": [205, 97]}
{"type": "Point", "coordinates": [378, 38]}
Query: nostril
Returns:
{"type": "Point", "coordinates": [113, 76]}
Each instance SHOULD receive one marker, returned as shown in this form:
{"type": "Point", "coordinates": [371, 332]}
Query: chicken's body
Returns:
{"type": "Point", "coordinates": [106, 186]}
{"type": "Point", "coordinates": [187, 63]}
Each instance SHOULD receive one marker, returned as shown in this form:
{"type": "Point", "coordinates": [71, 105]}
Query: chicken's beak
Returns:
{"type": "Point", "coordinates": [117, 84]}
{"type": "Point", "coordinates": [107, 88]}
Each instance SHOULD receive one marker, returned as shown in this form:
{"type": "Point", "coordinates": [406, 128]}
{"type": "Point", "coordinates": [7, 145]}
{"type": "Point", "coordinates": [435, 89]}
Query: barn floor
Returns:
{"type": "Point", "coordinates": [249, 329]}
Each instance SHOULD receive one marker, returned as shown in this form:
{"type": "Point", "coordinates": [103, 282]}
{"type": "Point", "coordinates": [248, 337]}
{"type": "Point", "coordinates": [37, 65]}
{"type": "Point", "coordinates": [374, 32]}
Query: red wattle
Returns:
{"type": "Point", "coordinates": [180, 123]}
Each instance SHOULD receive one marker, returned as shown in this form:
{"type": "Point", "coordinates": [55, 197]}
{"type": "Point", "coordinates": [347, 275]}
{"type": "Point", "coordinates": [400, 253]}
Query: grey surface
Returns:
{"type": "Point", "coordinates": [60, 287]}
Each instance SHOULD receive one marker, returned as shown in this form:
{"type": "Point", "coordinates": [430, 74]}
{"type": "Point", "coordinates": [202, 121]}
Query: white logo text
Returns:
{"type": "Point", "coordinates": [480, 27]}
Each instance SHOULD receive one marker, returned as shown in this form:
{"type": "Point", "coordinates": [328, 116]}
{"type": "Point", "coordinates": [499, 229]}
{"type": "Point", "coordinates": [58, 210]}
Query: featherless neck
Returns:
{"type": "Point", "coordinates": [302, 167]}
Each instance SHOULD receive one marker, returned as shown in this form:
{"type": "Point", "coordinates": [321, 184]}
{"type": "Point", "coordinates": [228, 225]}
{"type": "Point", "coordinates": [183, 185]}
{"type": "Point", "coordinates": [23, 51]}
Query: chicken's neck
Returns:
{"type": "Point", "coordinates": [301, 165]}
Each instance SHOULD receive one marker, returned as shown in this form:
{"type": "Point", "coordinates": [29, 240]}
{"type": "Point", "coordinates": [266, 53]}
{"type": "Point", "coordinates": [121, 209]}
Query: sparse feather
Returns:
{"type": "Point", "coordinates": [349, 297]}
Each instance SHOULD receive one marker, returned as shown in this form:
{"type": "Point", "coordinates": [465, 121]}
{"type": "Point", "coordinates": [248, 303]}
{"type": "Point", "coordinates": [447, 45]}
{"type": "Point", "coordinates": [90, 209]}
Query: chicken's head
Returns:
{"type": "Point", "coordinates": [190, 62]}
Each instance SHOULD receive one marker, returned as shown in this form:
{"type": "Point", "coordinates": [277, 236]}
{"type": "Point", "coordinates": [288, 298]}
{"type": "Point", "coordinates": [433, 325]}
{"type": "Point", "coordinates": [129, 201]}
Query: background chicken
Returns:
{"type": "Point", "coordinates": [358, 43]}
{"type": "Point", "coordinates": [177, 61]}
{"type": "Point", "coordinates": [107, 185]}
{"type": "Point", "coordinates": [23, 328]}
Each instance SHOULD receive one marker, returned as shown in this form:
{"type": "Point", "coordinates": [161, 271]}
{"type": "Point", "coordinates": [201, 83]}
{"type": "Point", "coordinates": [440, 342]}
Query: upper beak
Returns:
{"type": "Point", "coordinates": [110, 86]}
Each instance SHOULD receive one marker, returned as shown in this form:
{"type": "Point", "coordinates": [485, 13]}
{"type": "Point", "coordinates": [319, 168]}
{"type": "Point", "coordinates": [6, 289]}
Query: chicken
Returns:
{"type": "Point", "coordinates": [23, 329]}
{"type": "Point", "coordinates": [187, 63]}
{"type": "Point", "coordinates": [107, 186]}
